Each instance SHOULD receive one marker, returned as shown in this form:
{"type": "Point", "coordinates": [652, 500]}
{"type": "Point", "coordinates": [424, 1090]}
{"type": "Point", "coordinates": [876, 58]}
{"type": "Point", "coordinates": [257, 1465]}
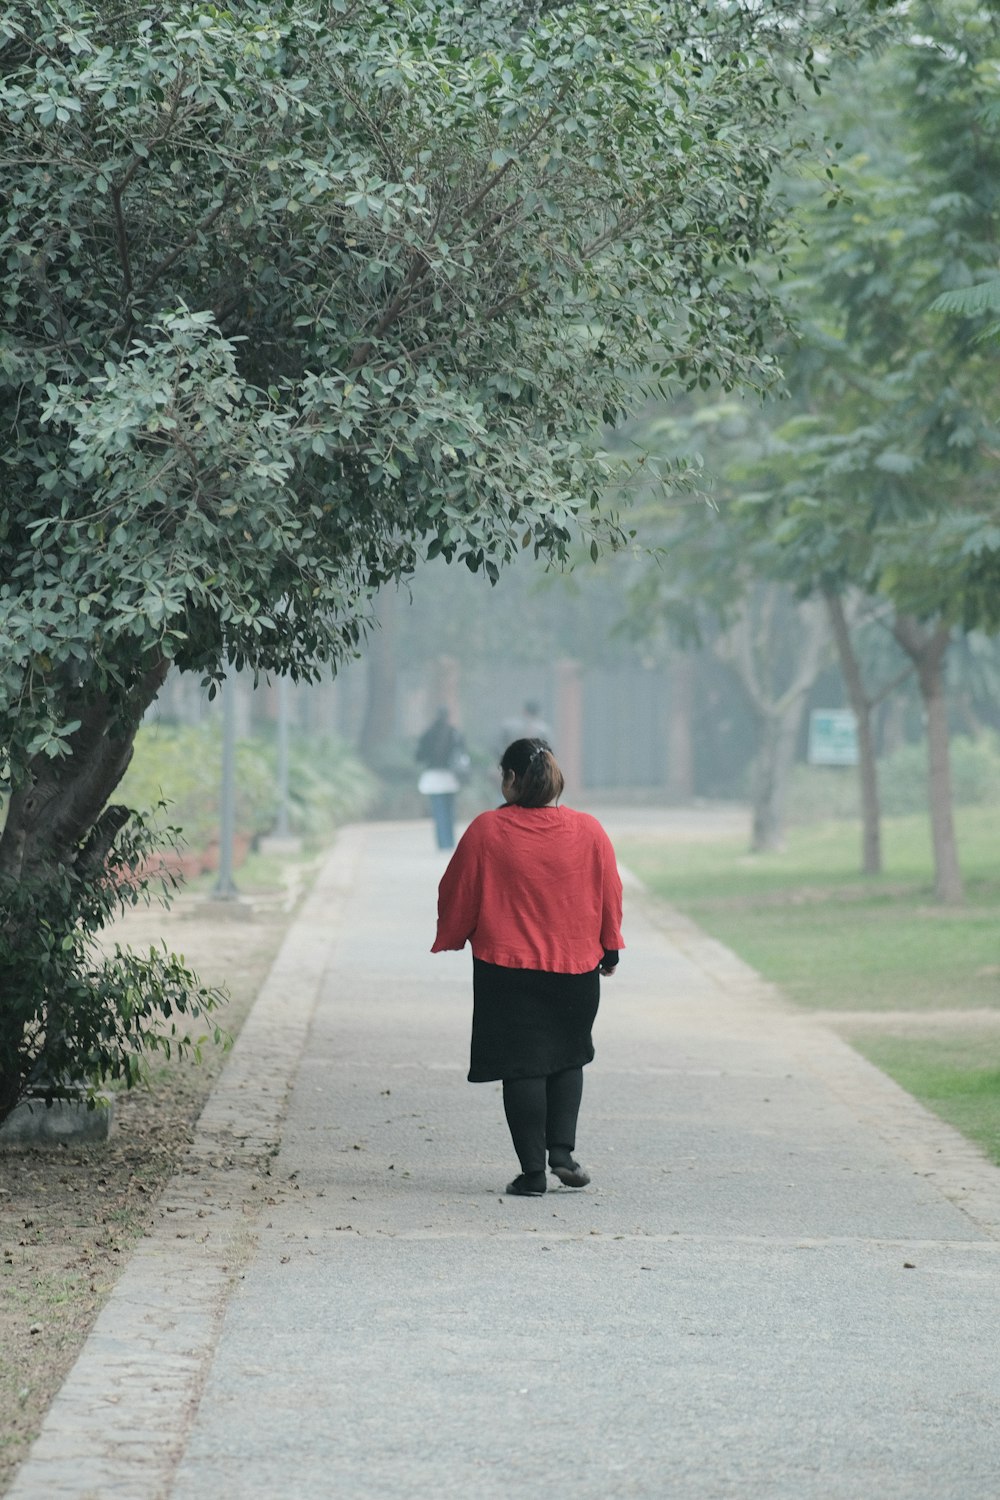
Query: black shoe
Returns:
{"type": "Point", "coordinates": [526, 1185]}
{"type": "Point", "coordinates": [570, 1174]}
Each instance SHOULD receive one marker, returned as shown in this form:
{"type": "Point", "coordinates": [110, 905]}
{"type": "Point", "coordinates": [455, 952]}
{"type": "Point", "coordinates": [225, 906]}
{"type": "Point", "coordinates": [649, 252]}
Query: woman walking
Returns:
{"type": "Point", "coordinates": [535, 889]}
{"type": "Point", "coordinates": [441, 751]}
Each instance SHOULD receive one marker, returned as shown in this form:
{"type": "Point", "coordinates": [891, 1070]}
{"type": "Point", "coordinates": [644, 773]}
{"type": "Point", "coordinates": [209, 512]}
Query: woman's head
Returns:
{"type": "Point", "coordinates": [531, 774]}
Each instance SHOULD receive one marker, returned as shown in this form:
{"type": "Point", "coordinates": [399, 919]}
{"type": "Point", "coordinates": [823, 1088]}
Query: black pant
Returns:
{"type": "Point", "coordinates": [542, 1112]}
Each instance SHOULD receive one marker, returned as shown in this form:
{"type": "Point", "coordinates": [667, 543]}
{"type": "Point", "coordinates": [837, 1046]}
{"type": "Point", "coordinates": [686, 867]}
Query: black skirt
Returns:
{"type": "Point", "coordinates": [527, 1023]}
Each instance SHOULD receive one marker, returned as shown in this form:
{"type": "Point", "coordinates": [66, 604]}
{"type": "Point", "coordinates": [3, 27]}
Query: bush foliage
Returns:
{"type": "Point", "coordinates": [820, 792]}
{"type": "Point", "coordinates": [83, 1015]}
{"type": "Point", "coordinates": [180, 765]}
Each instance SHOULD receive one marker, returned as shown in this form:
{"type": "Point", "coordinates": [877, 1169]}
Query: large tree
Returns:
{"type": "Point", "coordinates": [896, 488]}
{"type": "Point", "coordinates": [720, 580]}
{"type": "Point", "coordinates": [882, 481]}
{"type": "Point", "coordinates": [293, 293]}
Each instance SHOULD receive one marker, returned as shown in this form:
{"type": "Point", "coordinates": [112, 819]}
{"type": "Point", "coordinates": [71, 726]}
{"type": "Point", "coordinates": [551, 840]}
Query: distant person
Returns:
{"type": "Point", "coordinates": [528, 725]}
{"type": "Point", "coordinates": [441, 751]}
{"type": "Point", "coordinates": [534, 887]}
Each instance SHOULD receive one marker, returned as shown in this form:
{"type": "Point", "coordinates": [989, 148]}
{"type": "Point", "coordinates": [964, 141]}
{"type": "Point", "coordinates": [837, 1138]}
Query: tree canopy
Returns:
{"type": "Point", "coordinates": [292, 291]}
{"type": "Point", "coordinates": [878, 473]}
{"type": "Point", "coordinates": [294, 294]}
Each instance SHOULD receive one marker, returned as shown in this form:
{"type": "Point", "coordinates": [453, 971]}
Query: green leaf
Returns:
{"type": "Point", "coordinates": [970, 301]}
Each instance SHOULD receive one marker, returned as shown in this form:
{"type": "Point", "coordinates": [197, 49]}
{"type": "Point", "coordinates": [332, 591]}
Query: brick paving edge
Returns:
{"type": "Point", "coordinates": [118, 1425]}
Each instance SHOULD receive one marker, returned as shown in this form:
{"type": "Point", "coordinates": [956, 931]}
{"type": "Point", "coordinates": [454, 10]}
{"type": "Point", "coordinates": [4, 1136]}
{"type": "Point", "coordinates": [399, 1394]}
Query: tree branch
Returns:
{"type": "Point", "coordinates": [419, 264]}
{"type": "Point", "coordinates": [121, 235]}
{"type": "Point", "coordinates": [200, 228]}
{"type": "Point", "coordinates": [496, 177]}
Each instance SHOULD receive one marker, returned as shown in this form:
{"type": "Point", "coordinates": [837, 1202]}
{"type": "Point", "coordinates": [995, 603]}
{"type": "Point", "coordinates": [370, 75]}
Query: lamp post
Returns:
{"type": "Point", "coordinates": [225, 887]}
{"type": "Point", "coordinates": [281, 827]}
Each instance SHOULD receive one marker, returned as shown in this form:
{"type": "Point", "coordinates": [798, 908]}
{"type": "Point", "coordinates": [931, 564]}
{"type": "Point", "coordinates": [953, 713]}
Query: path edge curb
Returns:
{"type": "Point", "coordinates": [953, 1165]}
{"type": "Point", "coordinates": [118, 1424]}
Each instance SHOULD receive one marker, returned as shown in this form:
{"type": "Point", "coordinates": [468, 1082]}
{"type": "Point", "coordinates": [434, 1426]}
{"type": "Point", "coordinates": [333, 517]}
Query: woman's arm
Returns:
{"type": "Point", "coordinates": [611, 900]}
{"type": "Point", "coordinates": [459, 895]}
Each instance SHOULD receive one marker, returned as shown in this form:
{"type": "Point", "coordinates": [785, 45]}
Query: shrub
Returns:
{"type": "Point", "coordinates": [819, 792]}
{"type": "Point", "coordinates": [327, 785]}
{"type": "Point", "coordinates": [72, 1013]}
{"type": "Point", "coordinates": [975, 773]}
{"type": "Point", "coordinates": [181, 765]}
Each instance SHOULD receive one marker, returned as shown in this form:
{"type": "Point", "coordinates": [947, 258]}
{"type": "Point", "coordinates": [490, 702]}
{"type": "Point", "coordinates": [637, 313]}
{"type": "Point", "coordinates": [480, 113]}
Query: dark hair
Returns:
{"type": "Point", "coordinates": [536, 772]}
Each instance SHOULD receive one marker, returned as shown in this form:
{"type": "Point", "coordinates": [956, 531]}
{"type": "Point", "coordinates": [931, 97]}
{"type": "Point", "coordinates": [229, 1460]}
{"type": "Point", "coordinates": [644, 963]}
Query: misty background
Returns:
{"type": "Point", "coordinates": [635, 715]}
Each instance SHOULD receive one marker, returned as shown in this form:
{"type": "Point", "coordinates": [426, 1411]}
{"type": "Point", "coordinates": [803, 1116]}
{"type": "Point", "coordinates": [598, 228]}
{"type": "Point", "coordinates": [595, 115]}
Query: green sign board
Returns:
{"type": "Point", "coordinates": [833, 737]}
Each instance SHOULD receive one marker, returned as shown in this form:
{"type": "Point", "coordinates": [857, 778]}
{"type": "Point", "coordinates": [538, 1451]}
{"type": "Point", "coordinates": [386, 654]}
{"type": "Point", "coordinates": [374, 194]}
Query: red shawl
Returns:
{"type": "Point", "coordinates": [532, 888]}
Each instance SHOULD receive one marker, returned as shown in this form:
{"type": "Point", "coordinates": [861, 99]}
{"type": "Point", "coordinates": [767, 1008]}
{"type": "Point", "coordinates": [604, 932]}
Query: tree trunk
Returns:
{"type": "Point", "coordinates": [927, 649]}
{"type": "Point", "coordinates": [65, 799]}
{"type": "Point", "coordinates": [60, 818]}
{"type": "Point", "coordinates": [850, 667]}
{"type": "Point", "coordinates": [772, 772]}
{"type": "Point", "coordinates": [775, 638]}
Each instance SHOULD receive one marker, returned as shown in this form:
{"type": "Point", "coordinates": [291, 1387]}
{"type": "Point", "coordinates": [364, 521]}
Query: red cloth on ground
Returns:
{"type": "Point", "coordinates": [532, 888]}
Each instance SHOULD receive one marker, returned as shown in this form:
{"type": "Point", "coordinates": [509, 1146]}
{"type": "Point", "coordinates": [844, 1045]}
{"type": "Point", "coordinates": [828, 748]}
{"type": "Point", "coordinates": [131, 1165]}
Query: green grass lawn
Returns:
{"type": "Point", "coordinates": [834, 940]}
{"type": "Point", "coordinates": [957, 1076]}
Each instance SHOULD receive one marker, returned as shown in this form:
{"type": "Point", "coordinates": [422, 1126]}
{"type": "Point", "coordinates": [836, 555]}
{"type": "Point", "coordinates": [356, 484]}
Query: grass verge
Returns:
{"type": "Point", "coordinates": [894, 972]}
{"type": "Point", "coordinates": [956, 1076]}
{"type": "Point", "coordinates": [70, 1214]}
{"type": "Point", "coordinates": [832, 939]}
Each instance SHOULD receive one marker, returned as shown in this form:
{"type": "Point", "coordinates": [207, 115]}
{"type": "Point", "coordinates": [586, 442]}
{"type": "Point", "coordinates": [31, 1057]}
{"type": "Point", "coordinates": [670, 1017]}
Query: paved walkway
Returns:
{"type": "Point", "coordinates": [782, 1284]}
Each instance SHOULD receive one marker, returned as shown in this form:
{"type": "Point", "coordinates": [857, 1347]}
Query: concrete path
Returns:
{"type": "Point", "coordinates": [782, 1284]}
